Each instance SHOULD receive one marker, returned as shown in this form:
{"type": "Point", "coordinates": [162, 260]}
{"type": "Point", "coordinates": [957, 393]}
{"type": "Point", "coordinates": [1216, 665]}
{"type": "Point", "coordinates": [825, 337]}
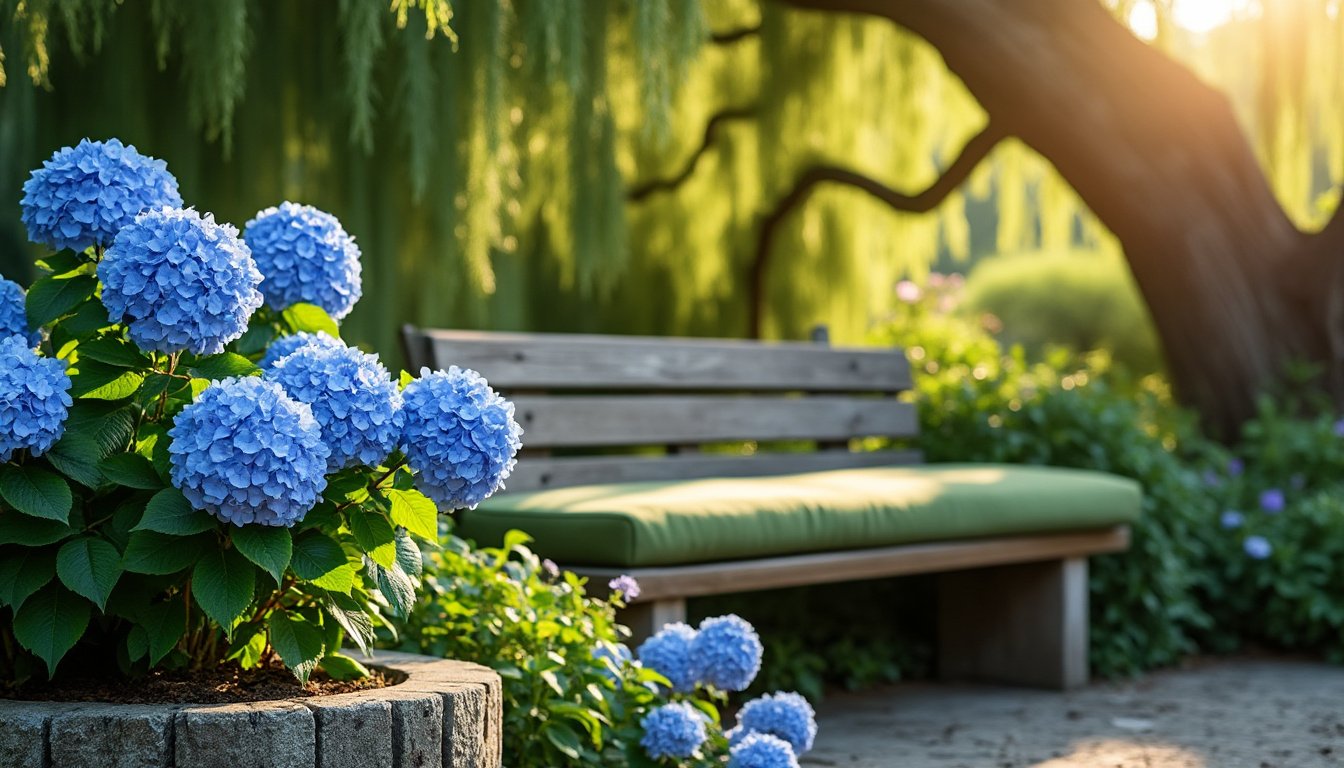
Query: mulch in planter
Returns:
{"type": "Point", "coordinates": [225, 684]}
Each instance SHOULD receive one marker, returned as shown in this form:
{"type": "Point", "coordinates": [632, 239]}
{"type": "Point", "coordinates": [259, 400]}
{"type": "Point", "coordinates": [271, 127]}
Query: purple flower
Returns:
{"type": "Point", "coordinates": [625, 586]}
{"type": "Point", "coordinates": [1232, 519]}
{"type": "Point", "coordinates": [1257, 547]}
{"type": "Point", "coordinates": [1272, 501]}
{"type": "Point", "coordinates": [1235, 467]}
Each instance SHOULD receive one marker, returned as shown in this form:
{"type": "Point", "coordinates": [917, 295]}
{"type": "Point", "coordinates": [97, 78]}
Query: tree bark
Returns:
{"type": "Point", "coordinates": [1235, 289]}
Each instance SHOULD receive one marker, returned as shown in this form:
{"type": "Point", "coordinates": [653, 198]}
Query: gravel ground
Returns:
{"type": "Point", "coordinates": [1237, 713]}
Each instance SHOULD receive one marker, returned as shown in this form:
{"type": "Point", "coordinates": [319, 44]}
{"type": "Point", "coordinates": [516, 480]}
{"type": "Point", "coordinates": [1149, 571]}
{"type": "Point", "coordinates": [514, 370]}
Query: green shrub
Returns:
{"type": "Point", "coordinates": [1080, 301]}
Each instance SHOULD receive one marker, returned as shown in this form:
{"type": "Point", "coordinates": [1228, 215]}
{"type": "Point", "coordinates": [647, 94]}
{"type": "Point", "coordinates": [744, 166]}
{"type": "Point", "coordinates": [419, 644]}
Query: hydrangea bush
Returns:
{"type": "Point", "coordinates": [167, 502]}
{"type": "Point", "coordinates": [574, 693]}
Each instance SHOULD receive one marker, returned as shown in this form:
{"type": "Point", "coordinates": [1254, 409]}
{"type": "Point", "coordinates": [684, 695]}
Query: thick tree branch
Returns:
{"type": "Point", "coordinates": [975, 151]}
{"type": "Point", "coordinates": [730, 36]}
{"type": "Point", "coordinates": [642, 191]}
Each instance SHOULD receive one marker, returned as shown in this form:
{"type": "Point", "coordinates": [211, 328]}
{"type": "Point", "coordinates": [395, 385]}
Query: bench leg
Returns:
{"type": "Point", "coordinates": [644, 619]}
{"type": "Point", "coordinates": [1020, 624]}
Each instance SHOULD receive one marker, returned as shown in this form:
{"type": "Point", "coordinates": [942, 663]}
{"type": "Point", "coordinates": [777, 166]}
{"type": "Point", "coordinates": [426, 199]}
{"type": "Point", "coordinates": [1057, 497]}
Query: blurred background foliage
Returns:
{"type": "Point", "coordinates": [499, 160]}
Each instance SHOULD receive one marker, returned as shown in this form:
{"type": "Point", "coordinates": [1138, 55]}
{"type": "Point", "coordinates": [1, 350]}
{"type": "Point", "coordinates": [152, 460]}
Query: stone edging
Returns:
{"type": "Point", "coordinates": [447, 714]}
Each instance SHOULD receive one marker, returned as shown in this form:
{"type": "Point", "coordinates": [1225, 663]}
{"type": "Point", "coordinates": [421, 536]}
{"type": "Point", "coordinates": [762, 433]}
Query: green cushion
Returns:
{"type": "Point", "coordinates": [689, 521]}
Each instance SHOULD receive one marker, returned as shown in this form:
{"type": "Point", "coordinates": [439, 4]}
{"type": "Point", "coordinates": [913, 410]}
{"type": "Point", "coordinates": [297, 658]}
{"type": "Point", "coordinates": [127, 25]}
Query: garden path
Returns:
{"type": "Point", "coordinates": [1228, 713]}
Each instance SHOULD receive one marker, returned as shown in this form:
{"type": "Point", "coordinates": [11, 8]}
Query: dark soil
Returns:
{"type": "Point", "coordinates": [225, 684]}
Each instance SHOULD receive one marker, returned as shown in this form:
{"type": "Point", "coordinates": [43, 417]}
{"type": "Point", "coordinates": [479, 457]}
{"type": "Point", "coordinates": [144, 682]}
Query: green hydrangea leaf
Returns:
{"type": "Point", "coordinates": [52, 297]}
{"type": "Point", "coordinates": [223, 366]}
{"type": "Point", "coordinates": [131, 470]}
{"type": "Point", "coordinates": [169, 512]}
{"type": "Point", "coordinates": [93, 380]}
{"type": "Point", "coordinates": [163, 623]}
{"type": "Point", "coordinates": [50, 623]}
{"type": "Point", "coordinates": [268, 546]}
{"type": "Point", "coordinates": [90, 567]}
{"type": "Point", "coordinates": [309, 318]}
{"type": "Point", "coordinates": [36, 492]}
{"type": "Point", "coordinates": [298, 641]}
{"type": "Point", "coordinates": [319, 559]}
{"type": "Point", "coordinates": [342, 667]}
{"type": "Point", "coordinates": [113, 351]}
{"type": "Point", "coordinates": [375, 535]}
{"type": "Point", "coordinates": [160, 554]}
{"type": "Point", "coordinates": [23, 571]}
{"type": "Point", "coordinates": [414, 511]}
{"type": "Point", "coordinates": [222, 584]}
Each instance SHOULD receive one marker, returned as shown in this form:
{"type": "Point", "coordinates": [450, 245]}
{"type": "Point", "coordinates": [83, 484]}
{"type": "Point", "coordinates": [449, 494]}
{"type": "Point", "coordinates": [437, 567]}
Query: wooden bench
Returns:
{"type": "Point", "coordinates": [1012, 608]}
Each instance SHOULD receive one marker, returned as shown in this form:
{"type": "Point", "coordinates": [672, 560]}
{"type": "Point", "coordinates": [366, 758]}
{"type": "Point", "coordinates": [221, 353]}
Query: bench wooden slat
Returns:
{"type": "Point", "coordinates": [551, 421]}
{"type": "Point", "coordinates": [550, 362]}
{"type": "Point", "coordinates": [825, 567]}
{"type": "Point", "coordinates": [537, 472]}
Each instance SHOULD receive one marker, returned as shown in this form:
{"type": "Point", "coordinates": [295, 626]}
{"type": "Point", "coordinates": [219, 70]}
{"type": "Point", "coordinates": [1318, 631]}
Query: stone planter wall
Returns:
{"type": "Point", "coordinates": [447, 714]}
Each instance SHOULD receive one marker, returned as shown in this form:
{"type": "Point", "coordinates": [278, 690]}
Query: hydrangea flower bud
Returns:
{"type": "Point", "coordinates": [306, 256]}
{"type": "Point", "coordinates": [180, 282]}
{"type": "Point", "coordinates": [726, 653]}
{"type": "Point", "coordinates": [460, 437]}
{"type": "Point", "coordinates": [246, 452]}
{"type": "Point", "coordinates": [34, 398]}
{"type": "Point", "coordinates": [84, 195]}
{"type": "Point", "coordinates": [353, 398]}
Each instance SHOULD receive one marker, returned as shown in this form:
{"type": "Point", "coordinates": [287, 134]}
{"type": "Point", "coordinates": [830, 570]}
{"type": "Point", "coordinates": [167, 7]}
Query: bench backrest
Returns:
{"type": "Point", "coordinates": [585, 401]}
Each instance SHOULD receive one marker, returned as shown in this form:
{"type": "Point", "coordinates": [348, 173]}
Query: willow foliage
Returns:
{"type": "Point", "coordinates": [483, 151]}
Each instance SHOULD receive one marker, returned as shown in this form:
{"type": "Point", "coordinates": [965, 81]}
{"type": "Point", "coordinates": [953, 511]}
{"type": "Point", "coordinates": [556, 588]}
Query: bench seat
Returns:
{"type": "Point", "coordinates": [636, 525]}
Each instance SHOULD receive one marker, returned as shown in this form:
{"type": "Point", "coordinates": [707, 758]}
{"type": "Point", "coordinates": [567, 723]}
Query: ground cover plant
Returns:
{"type": "Point", "coordinates": [195, 469]}
{"type": "Point", "coordinates": [575, 694]}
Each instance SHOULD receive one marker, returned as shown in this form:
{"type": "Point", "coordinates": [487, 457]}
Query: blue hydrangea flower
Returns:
{"type": "Point", "coordinates": [180, 282]}
{"type": "Point", "coordinates": [626, 586]}
{"type": "Point", "coordinates": [34, 398]}
{"type": "Point", "coordinates": [1257, 547]}
{"type": "Point", "coordinates": [669, 654]}
{"type": "Point", "coordinates": [1272, 501]}
{"type": "Point", "coordinates": [726, 653]}
{"type": "Point", "coordinates": [673, 730]}
{"type": "Point", "coordinates": [617, 653]}
{"type": "Point", "coordinates": [353, 398]}
{"type": "Point", "coordinates": [1339, 428]}
{"type": "Point", "coordinates": [1232, 519]}
{"type": "Point", "coordinates": [306, 256]}
{"type": "Point", "coordinates": [287, 345]}
{"type": "Point", "coordinates": [761, 750]}
{"type": "Point", "coordinates": [13, 321]}
{"type": "Point", "coordinates": [248, 453]}
{"type": "Point", "coordinates": [460, 436]}
{"type": "Point", "coordinates": [786, 715]}
{"type": "Point", "coordinates": [85, 195]}
{"type": "Point", "coordinates": [1235, 467]}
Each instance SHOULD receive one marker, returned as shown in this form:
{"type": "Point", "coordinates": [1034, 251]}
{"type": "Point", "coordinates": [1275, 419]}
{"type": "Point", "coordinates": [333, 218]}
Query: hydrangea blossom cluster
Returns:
{"type": "Point", "coordinates": [1257, 547]}
{"type": "Point", "coordinates": [287, 345]}
{"type": "Point", "coordinates": [668, 652]}
{"type": "Point", "coordinates": [306, 256]}
{"type": "Point", "coordinates": [673, 730]}
{"type": "Point", "coordinates": [786, 715]}
{"type": "Point", "coordinates": [726, 653]}
{"type": "Point", "coordinates": [85, 195]}
{"type": "Point", "coordinates": [626, 586]}
{"type": "Point", "coordinates": [246, 452]}
{"type": "Point", "coordinates": [13, 321]}
{"type": "Point", "coordinates": [180, 282]}
{"type": "Point", "coordinates": [761, 750]}
{"type": "Point", "coordinates": [1232, 519]}
{"type": "Point", "coordinates": [1272, 501]}
{"type": "Point", "coordinates": [353, 398]}
{"type": "Point", "coordinates": [460, 437]}
{"type": "Point", "coordinates": [34, 398]}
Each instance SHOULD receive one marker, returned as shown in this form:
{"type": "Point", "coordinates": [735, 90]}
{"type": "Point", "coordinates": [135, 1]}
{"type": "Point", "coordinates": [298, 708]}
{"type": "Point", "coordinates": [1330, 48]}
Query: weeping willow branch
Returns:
{"type": "Point", "coordinates": [642, 191]}
{"type": "Point", "coordinates": [975, 150]}
{"type": "Point", "coordinates": [730, 36]}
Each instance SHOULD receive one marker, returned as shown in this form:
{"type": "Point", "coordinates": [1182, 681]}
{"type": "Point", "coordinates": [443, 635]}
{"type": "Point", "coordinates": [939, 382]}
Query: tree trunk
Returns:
{"type": "Point", "coordinates": [1235, 289]}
